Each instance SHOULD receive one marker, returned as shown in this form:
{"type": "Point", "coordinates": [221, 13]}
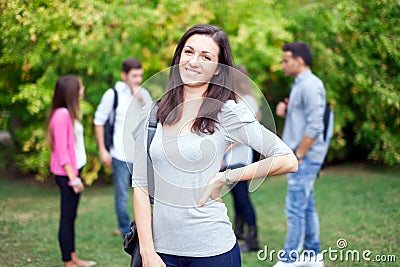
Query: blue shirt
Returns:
{"type": "Point", "coordinates": [304, 115]}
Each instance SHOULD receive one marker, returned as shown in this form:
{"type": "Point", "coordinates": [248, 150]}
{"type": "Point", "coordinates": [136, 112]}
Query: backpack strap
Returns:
{"type": "Point", "coordinates": [115, 99]}
{"type": "Point", "coordinates": [113, 114]}
{"type": "Point", "coordinates": [327, 114]}
{"type": "Point", "coordinates": [151, 130]}
{"type": "Point", "coordinates": [110, 123]}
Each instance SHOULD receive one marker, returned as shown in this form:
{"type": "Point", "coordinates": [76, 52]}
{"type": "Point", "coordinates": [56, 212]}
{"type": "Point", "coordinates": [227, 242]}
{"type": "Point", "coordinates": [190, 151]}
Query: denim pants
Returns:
{"type": "Point", "coordinates": [227, 259]}
{"type": "Point", "coordinates": [302, 217]}
{"type": "Point", "coordinates": [122, 173]}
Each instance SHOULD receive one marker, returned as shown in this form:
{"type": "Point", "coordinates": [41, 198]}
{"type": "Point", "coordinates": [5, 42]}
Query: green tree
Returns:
{"type": "Point", "coordinates": [356, 46]}
{"type": "Point", "coordinates": [42, 40]}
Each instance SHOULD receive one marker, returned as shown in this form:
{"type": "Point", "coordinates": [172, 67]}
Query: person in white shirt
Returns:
{"type": "Point", "coordinates": [131, 98]}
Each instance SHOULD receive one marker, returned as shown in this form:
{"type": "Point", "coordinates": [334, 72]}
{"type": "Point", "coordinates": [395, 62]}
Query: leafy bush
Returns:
{"type": "Point", "coordinates": [356, 47]}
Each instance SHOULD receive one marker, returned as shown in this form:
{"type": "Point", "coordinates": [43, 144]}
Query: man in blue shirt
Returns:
{"type": "Point", "coordinates": [303, 133]}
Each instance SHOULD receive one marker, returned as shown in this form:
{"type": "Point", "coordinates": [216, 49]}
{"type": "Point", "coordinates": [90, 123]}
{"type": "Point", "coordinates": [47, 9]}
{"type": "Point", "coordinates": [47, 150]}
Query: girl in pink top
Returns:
{"type": "Point", "coordinates": [65, 134]}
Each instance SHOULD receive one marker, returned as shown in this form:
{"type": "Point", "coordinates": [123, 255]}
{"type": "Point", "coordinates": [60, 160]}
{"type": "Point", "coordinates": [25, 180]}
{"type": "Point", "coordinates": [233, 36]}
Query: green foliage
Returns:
{"type": "Point", "coordinates": [42, 40]}
{"type": "Point", "coordinates": [356, 47]}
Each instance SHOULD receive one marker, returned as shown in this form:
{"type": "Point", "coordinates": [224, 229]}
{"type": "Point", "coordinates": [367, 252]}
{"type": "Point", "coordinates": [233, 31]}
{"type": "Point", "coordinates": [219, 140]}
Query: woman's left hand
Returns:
{"type": "Point", "coordinates": [79, 188]}
{"type": "Point", "coordinates": [213, 189]}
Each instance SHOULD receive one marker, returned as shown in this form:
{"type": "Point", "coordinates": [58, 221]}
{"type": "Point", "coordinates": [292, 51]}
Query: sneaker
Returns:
{"type": "Point", "coordinates": [310, 261]}
{"type": "Point", "coordinates": [116, 232]}
{"type": "Point", "coordinates": [284, 264]}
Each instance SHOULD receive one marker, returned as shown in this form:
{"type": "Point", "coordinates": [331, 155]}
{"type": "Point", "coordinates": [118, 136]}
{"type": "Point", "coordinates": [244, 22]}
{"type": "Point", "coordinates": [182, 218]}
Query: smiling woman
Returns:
{"type": "Point", "coordinates": [198, 119]}
{"type": "Point", "coordinates": [198, 62]}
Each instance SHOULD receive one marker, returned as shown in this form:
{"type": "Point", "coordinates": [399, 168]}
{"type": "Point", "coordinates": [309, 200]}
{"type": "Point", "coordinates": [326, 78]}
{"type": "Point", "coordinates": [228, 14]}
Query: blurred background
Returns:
{"type": "Point", "coordinates": [355, 43]}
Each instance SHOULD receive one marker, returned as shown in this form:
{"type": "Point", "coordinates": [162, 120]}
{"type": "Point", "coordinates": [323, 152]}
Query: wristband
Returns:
{"type": "Point", "coordinates": [227, 179]}
{"type": "Point", "coordinates": [75, 182]}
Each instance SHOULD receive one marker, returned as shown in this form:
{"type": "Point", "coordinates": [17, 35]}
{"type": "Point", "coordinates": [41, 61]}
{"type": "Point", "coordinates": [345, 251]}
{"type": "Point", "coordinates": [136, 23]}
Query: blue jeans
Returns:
{"type": "Point", "coordinates": [122, 177]}
{"type": "Point", "coordinates": [227, 259]}
{"type": "Point", "coordinates": [302, 217]}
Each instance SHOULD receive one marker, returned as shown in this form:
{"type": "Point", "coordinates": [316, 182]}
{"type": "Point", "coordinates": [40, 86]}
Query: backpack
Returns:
{"type": "Point", "coordinates": [328, 129]}
{"type": "Point", "coordinates": [110, 123]}
{"type": "Point", "coordinates": [328, 122]}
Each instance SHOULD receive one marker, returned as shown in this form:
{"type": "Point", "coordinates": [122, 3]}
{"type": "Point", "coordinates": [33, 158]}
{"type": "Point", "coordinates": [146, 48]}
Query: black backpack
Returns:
{"type": "Point", "coordinates": [110, 123]}
{"type": "Point", "coordinates": [328, 112]}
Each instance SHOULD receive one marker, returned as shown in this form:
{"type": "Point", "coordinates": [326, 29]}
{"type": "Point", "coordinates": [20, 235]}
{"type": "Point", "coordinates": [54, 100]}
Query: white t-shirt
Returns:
{"type": "Point", "coordinates": [79, 145]}
{"type": "Point", "coordinates": [126, 119]}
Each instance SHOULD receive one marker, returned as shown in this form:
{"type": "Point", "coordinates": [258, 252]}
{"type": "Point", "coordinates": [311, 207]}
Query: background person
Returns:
{"type": "Point", "coordinates": [303, 133]}
{"type": "Point", "coordinates": [131, 98]}
{"type": "Point", "coordinates": [198, 120]}
{"type": "Point", "coordinates": [239, 155]}
{"type": "Point", "coordinates": [68, 156]}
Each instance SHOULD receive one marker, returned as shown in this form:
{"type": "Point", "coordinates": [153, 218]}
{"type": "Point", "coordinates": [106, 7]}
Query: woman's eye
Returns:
{"type": "Point", "coordinates": [188, 52]}
{"type": "Point", "coordinates": [208, 58]}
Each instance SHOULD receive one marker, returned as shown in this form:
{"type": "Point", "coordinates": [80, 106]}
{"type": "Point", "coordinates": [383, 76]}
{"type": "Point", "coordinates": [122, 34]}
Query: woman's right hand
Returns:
{"type": "Point", "coordinates": [213, 189]}
{"type": "Point", "coordinates": [151, 259]}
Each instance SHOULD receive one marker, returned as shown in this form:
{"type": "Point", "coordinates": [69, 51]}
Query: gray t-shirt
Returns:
{"type": "Point", "coordinates": [241, 154]}
{"type": "Point", "coordinates": [183, 165]}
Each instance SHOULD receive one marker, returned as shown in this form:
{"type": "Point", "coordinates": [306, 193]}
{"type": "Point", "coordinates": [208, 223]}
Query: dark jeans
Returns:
{"type": "Point", "coordinates": [227, 259]}
{"type": "Point", "coordinates": [69, 206]}
{"type": "Point", "coordinates": [241, 200]}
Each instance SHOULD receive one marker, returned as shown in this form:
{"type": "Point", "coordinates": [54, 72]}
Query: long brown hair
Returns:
{"type": "Point", "coordinates": [219, 89]}
{"type": "Point", "coordinates": [241, 81]}
{"type": "Point", "coordinates": [66, 95]}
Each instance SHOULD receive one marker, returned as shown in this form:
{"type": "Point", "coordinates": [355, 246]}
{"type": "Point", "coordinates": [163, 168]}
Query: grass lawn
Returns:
{"type": "Point", "coordinates": [357, 205]}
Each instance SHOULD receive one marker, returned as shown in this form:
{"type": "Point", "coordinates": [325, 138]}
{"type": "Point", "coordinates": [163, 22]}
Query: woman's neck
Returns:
{"type": "Point", "coordinates": [194, 92]}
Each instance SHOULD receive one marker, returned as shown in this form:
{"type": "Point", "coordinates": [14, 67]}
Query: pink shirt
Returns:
{"type": "Point", "coordinates": [63, 142]}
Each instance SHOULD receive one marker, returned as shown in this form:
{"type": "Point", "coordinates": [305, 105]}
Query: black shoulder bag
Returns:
{"type": "Point", "coordinates": [131, 239]}
{"type": "Point", "coordinates": [110, 123]}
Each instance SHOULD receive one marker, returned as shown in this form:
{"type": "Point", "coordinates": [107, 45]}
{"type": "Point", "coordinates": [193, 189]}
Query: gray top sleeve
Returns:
{"type": "Point", "coordinates": [242, 127]}
{"type": "Point", "coordinates": [139, 176]}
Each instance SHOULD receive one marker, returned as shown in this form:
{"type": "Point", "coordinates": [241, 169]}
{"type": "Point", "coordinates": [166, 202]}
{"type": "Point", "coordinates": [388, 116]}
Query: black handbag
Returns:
{"type": "Point", "coordinates": [131, 246]}
{"type": "Point", "coordinates": [131, 239]}
{"type": "Point", "coordinates": [109, 125]}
